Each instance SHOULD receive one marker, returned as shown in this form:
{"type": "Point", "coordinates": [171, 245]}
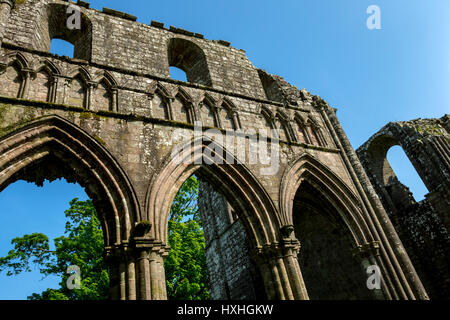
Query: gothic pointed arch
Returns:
{"type": "Point", "coordinates": [235, 182]}
{"type": "Point", "coordinates": [185, 105]}
{"type": "Point", "coordinates": [105, 92]}
{"type": "Point", "coordinates": [302, 134]}
{"type": "Point", "coordinates": [208, 111]}
{"type": "Point", "coordinates": [161, 101]}
{"type": "Point", "coordinates": [49, 66]}
{"type": "Point", "coordinates": [335, 235]}
{"type": "Point", "coordinates": [80, 71]}
{"type": "Point", "coordinates": [309, 169]}
{"type": "Point", "coordinates": [50, 148]}
{"type": "Point", "coordinates": [43, 84]}
{"type": "Point", "coordinates": [107, 77]}
{"type": "Point", "coordinates": [285, 130]}
{"type": "Point", "coordinates": [269, 119]}
{"type": "Point", "coordinates": [315, 133]}
{"type": "Point", "coordinates": [78, 87]}
{"type": "Point", "coordinates": [14, 57]}
{"type": "Point", "coordinates": [229, 117]}
{"type": "Point", "coordinates": [14, 74]}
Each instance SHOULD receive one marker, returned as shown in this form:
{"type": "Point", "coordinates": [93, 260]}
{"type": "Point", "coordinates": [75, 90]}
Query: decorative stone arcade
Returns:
{"type": "Point", "coordinates": [111, 118]}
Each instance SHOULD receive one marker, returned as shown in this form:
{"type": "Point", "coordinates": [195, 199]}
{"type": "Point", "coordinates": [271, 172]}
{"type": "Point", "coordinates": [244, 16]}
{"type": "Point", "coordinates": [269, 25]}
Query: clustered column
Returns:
{"type": "Point", "coordinates": [136, 270]}
{"type": "Point", "coordinates": [280, 268]}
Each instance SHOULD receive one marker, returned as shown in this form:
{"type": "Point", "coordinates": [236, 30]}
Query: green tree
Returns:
{"type": "Point", "coordinates": [186, 264]}
{"type": "Point", "coordinates": [81, 245]}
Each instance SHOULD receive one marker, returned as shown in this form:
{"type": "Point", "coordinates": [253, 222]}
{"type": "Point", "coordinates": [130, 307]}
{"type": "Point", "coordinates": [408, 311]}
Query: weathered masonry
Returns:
{"type": "Point", "coordinates": [110, 118]}
{"type": "Point", "coordinates": [423, 226]}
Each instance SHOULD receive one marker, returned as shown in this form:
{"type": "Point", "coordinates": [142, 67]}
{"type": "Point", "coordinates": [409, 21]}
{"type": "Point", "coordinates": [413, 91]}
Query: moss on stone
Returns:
{"type": "Point", "coordinates": [100, 140]}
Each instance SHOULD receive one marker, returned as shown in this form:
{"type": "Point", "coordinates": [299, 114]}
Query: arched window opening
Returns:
{"type": "Point", "coordinates": [190, 58]}
{"type": "Point", "coordinates": [52, 242]}
{"type": "Point", "coordinates": [282, 130]}
{"type": "Point", "coordinates": [55, 26]}
{"type": "Point", "coordinates": [406, 173]}
{"type": "Point", "coordinates": [62, 48]}
{"type": "Point", "coordinates": [178, 74]}
{"type": "Point", "coordinates": [200, 265]}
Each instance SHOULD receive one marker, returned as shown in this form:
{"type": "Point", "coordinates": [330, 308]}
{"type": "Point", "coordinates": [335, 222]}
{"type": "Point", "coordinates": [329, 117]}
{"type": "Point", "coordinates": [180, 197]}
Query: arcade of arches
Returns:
{"type": "Point", "coordinates": [305, 222]}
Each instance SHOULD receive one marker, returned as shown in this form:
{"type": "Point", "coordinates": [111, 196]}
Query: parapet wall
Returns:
{"type": "Point", "coordinates": [115, 40]}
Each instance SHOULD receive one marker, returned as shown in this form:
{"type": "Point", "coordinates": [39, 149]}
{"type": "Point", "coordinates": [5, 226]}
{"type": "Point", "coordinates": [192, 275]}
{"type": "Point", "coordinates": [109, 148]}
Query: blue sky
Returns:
{"type": "Point", "coordinates": [400, 72]}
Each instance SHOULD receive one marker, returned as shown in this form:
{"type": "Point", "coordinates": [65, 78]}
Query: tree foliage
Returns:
{"type": "Point", "coordinates": [82, 245]}
{"type": "Point", "coordinates": [186, 264]}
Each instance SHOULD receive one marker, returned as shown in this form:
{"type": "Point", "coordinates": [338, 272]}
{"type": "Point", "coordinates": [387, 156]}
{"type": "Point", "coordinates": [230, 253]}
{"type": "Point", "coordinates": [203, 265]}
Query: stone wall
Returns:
{"type": "Point", "coordinates": [231, 272]}
{"type": "Point", "coordinates": [423, 226]}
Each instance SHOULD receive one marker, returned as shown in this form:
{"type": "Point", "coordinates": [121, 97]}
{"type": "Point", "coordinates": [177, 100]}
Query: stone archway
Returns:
{"type": "Point", "coordinates": [236, 182]}
{"type": "Point", "coordinates": [50, 148]}
{"type": "Point", "coordinates": [359, 229]}
{"type": "Point", "coordinates": [327, 257]}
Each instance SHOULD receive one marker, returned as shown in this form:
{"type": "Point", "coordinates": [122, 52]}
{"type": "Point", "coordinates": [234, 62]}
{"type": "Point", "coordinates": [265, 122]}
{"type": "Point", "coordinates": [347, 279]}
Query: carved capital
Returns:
{"type": "Point", "coordinates": [367, 250]}
{"type": "Point", "coordinates": [276, 250]}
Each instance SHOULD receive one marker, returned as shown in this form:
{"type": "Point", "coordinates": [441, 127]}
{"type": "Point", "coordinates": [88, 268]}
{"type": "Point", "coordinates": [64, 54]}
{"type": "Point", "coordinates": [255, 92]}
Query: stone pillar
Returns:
{"type": "Point", "coordinates": [121, 262]}
{"type": "Point", "coordinates": [405, 276]}
{"type": "Point", "coordinates": [5, 11]}
{"type": "Point", "coordinates": [115, 100]}
{"type": "Point", "coordinates": [53, 89]}
{"type": "Point", "coordinates": [112, 260]}
{"type": "Point", "coordinates": [26, 76]}
{"type": "Point", "coordinates": [151, 276]}
{"type": "Point", "coordinates": [143, 249]}
{"type": "Point", "coordinates": [131, 277]}
{"type": "Point", "coordinates": [279, 267]}
{"type": "Point", "coordinates": [236, 120]}
{"type": "Point", "coordinates": [405, 284]}
{"type": "Point", "coordinates": [90, 93]}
